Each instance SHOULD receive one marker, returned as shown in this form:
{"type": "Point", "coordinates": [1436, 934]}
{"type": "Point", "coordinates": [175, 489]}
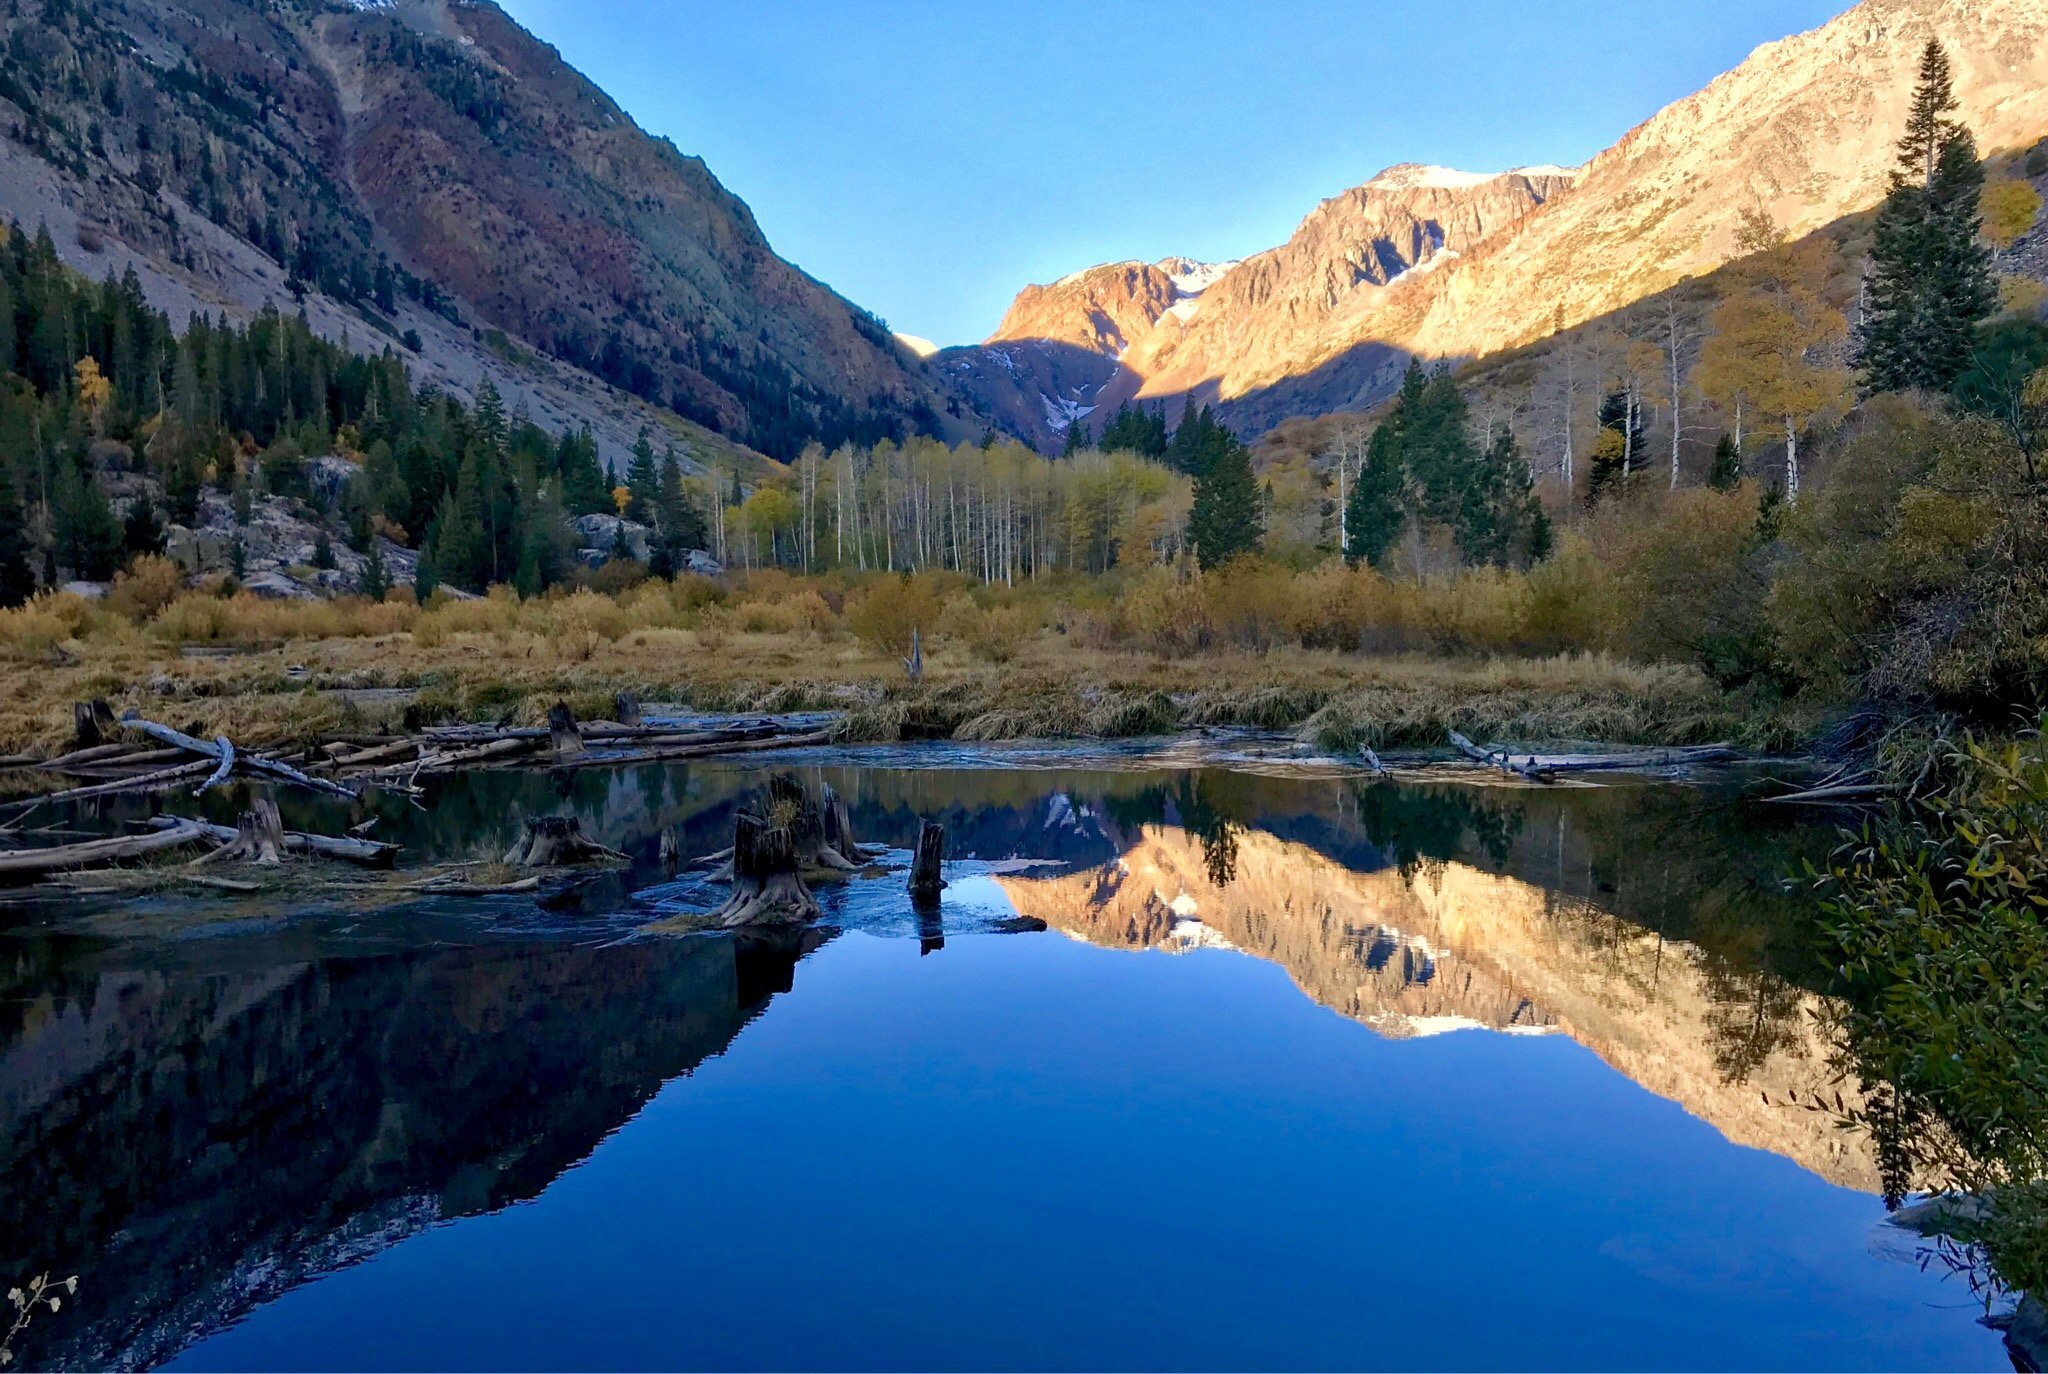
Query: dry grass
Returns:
{"type": "Point", "coordinates": [1050, 686]}
{"type": "Point", "coordinates": [1343, 657]}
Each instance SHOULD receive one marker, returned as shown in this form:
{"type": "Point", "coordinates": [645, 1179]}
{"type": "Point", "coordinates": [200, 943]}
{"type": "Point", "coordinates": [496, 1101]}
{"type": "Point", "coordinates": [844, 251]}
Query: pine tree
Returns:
{"type": "Point", "coordinates": [680, 525]}
{"type": "Point", "coordinates": [1376, 513]}
{"type": "Point", "coordinates": [643, 481]}
{"type": "Point", "coordinates": [88, 533]}
{"type": "Point", "coordinates": [376, 581]}
{"type": "Point", "coordinates": [1929, 280]}
{"type": "Point", "coordinates": [1224, 522]}
{"type": "Point", "coordinates": [1726, 472]}
{"type": "Point", "coordinates": [142, 532]}
{"type": "Point", "coordinates": [17, 575]}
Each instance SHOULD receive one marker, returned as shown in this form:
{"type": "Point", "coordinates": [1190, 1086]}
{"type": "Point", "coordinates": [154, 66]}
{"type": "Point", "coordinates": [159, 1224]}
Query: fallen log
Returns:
{"type": "Point", "coordinates": [697, 751]}
{"type": "Point", "coordinates": [97, 753]}
{"type": "Point", "coordinates": [1496, 758]}
{"type": "Point", "coordinates": [92, 853]}
{"type": "Point", "coordinates": [226, 766]}
{"type": "Point", "coordinates": [1862, 791]}
{"type": "Point", "coordinates": [381, 753]}
{"type": "Point", "coordinates": [435, 887]}
{"type": "Point", "coordinates": [256, 763]}
{"type": "Point", "coordinates": [369, 853]}
{"type": "Point", "coordinates": [143, 783]}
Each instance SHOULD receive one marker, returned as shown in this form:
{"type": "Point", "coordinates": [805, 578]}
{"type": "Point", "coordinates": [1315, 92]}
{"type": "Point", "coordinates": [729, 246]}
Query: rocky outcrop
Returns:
{"type": "Point", "coordinates": [1445, 946]}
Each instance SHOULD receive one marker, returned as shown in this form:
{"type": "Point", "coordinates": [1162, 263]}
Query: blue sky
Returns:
{"type": "Point", "coordinates": [929, 158]}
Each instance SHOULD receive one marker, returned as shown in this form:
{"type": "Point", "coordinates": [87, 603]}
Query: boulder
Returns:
{"type": "Point", "coordinates": [601, 532]}
{"type": "Point", "coordinates": [2026, 1336]}
{"type": "Point", "coordinates": [273, 585]}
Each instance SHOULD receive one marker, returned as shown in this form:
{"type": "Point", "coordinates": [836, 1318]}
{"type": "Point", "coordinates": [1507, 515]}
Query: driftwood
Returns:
{"type": "Point", "coordinates": [1545, 767]}
{"type": "Point", "coordinates": [456, 887]}
{"type": "Point", "coordinates": [255, 763]}
{"type": "Point", "coordinates": [914, 665]}
{"type": "Point", "coordinates": [557, 842]}
{"type": "Point", "coordinates": [766, 889]}
{"type": "Point", "coordinates": [146, 782]}
{"type": "Point", "coordinates": [626, 710]}
{"type": "Point", "coordinates": [380, 753]}
{"type": "Point", "coordinates": [1372, 760]}
{"type": "Point", "coordinates": [91, 854]}
{"type": "Point", "coordinates": [1497, 758]}
{"type": "Point", "coordinates": [925, 882]}
{"type": "Point", "coordinates": [1827, 796]}
{"type": "Point", "coordinates": [226, 766]}
{"type": "Point", "coordinates": [368, 853]}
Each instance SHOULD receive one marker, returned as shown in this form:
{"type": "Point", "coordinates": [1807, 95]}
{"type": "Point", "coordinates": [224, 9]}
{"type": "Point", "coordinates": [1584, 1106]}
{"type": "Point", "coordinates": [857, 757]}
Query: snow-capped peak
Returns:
{"type": "Point", "coordinates": [1192, 278]}
{"type": "Point", "coordinates": [1408, 176]}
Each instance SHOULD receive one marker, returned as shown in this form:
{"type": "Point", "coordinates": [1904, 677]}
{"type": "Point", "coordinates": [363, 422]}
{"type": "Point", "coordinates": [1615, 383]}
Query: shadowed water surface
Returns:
{"type": "Point", "coordinates": [1442, 1077]}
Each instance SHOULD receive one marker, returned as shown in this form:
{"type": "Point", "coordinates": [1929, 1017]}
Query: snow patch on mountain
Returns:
{"type": "Point", "coordinates": [1192, 278]}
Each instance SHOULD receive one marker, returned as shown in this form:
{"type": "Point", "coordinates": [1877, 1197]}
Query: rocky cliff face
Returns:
{"type": "Point", "coordinates": [427, 163]}
{"type": "Point", "coordinates": [1441, 264]}
{"type": "Point", "coordinates": [1447, 946]}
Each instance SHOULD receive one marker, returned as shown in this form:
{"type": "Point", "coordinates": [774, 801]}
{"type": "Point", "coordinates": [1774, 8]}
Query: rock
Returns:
{"type": "Point", "coordinates": [278, 586]}
{"type": "Point", "coordinates": [91, 591]}
{"type": "Point", "coordinates": [600, 531]}
{"type": "Point", "coordinates": [2026, 1338]}
{"type": "Point", "coordinates": [701, 563]}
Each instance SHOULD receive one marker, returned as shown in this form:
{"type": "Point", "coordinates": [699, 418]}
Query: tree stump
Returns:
{"type": "Point", "coordinates": [671, 850]}
{"type": "Point", "coordinates": [766, 887]}
{"type": "Point", "coordinates": [839, 829]}
{"type": "Point", "coordinates": [626, 709]}
{"type": "Point", "coordinates": [92, 723]}
{"type": "Point", "coordinates": [925, 882]}
{"type": "Point", "coordinates": [556, 842]}
{"type": "Point", "coordinates": [563, 735]}
{"type": "Point", "coordinates": [259, 837]}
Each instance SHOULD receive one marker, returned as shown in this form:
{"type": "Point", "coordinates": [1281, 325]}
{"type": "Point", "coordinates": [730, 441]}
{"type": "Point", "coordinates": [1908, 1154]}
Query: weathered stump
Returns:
{"type": "Point", "coordinates": [839, 829]}
{"type": "Point", "coordinates": [671, 850]}
{"type": "Point", "coordinates": [93, 723]}
{"type": "Point", "coordinates": [563, 735]}
{"type": "Point", "coordinates": [766, 887]}
{"type": "Point", "coordinates": [925, 882]}
{"type": "Point", "coordinates": [556, 842]}
{"type": "Point", "coordinates": [626, 709]}
{"type": "Point", "coordinates": [259, 837]}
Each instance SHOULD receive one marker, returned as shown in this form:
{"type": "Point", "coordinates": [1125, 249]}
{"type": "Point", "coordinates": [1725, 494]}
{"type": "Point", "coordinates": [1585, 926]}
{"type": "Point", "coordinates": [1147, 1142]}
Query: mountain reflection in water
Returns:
{"type": "Point", "coordinates": [197, 1125]}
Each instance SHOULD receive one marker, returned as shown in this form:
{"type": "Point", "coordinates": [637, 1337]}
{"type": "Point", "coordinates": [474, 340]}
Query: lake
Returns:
{"type": "Point", "coordinates": [1213, 1057]}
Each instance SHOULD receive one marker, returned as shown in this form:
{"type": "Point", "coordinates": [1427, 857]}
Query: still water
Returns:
{"type": "Point", "coordinates": [1303, 1070]}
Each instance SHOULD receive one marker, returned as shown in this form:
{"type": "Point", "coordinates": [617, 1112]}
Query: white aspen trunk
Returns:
{"type": "Point", "coordinates": [1791, 462]}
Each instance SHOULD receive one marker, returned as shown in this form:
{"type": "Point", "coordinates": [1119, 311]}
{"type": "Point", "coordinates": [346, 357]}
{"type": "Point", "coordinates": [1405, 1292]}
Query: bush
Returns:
{"type": "Point", "coordinates": [148, 584]}
{"type": "Point", "coordinates": [883, 615]}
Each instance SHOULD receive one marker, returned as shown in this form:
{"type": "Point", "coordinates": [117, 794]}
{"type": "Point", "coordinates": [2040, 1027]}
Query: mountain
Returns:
{"type": "Point", "coordinates": [427, 165]}
{"type": "Point", "coordinates": [1442, 264]}
{"type": "Point", "coordinates": [1059, 346]}
{"type": "Point", "coordinates": [1450, 947]}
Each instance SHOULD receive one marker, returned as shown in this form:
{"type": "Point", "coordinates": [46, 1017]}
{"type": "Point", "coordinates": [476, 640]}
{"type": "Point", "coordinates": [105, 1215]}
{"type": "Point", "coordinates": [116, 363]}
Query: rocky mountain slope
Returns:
{"type": "Point", "coordinates": [428, 166]}
{"type": "Point", "coordinates": [1804, 127]}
